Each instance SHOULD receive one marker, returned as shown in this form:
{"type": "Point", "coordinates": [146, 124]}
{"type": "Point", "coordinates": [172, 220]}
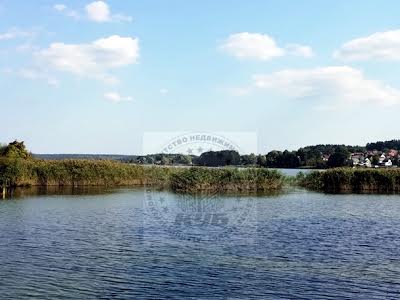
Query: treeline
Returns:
{"type": "Point", "coordinates": [318, 156]}
{"type": "Point", "coordinates": [384, 146]}
{"type": "Point", "coordinates": [163, 159]}
{"type": "Point", "coordinates": [307, 158]}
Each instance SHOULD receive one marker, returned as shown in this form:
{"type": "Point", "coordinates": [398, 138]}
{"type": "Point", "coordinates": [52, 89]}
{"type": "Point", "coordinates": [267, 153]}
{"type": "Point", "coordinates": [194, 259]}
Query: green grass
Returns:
{"type": "Point", "coordinates": [226, 179]}
{"type": "Point", "coordinates": [353, 180]}
{"type": "Point", "coordinates": [32, 172]}
{"type": "Point", "coordinates": [20, 172]}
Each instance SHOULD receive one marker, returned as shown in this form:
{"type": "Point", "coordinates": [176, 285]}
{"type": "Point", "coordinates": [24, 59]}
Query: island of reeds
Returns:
{"type": "Point", "coordinates": [352, 180]}
{"type": "Point", "coordinates": [226, 179]}
{"type": "Point", "coordinates": [18, 168]}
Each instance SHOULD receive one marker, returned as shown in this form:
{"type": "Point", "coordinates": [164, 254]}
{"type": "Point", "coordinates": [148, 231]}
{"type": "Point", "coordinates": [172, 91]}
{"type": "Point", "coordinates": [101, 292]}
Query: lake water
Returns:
{"type": "Point", "coordinates": [147, 244]}
{"type": "Point", "coordinates": [294, 172]}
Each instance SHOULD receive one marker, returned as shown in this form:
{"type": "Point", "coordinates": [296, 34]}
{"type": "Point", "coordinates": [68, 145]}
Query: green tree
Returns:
{"type": "Point", "coordinates": [339, 158]}
{"type": "Point", "coordinates": [248, 159]}
{"type": "Point", "coordinates": [15, 150]}
{"type": "Point", "coordinates": [262, 160]}
{"type": "Point", "coordinates": [375, 160]}
{"type": "Point", "coordinates": [219, 158]}
{"type": "Point", "coordinates": [272, 157]}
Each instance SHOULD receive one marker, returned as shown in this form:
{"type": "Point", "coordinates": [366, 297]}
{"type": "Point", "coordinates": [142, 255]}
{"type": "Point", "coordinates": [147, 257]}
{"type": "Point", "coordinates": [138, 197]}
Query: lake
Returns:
{"type": "Point", "coordinates": [150, 244]}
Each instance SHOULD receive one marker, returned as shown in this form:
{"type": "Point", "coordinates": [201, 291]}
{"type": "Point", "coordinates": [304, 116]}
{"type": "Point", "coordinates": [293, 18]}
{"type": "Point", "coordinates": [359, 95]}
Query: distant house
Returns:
{"type": "Point", "coordinates": [358, 159]}
{"type": "Point", "coordinates": [325, 157]}
{"type": "Point", "coordinates": [382, 158]}
{"type": "Point", "coordinates": [367, 163]}
{"type": "Point", "coordinates": [388, 163]}
{"type": "Point", "coordinates": [393, 153]}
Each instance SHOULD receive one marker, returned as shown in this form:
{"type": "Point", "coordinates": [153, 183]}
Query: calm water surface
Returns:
{"type": "Point", "coordinates": [138, 244]}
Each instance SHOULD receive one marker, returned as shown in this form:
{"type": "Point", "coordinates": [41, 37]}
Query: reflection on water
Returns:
{"type": "Point", "coordinates": [56, 190]}
{"type": "Point", "coordinates": [149, 244]}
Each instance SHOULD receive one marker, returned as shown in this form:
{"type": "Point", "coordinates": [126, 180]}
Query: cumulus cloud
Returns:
{"type": "Point", "coordinates": [380, 45]}
{"type": "Point", "coordinates": [60, 7]}
{"type": "Point", "coordinates": [96, 11]}
{"type": "Point", "coordinates": [99, 11]}
{"type": "Point", "coordinates": [251, 45]}
{"type": "Point", "coordinates": [116, 97]}
{"type": "Point", "coordinates": [257, 46]}
{"type": "Point", "coordinates": [94, 59]}
{"type": "Point", "coordinates": [330, 84]}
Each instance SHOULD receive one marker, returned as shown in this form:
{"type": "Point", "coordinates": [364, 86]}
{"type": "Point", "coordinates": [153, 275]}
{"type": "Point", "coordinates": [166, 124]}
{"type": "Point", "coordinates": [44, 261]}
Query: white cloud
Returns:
{"type": "Point", "coordinates": [338, 84]}
{"type": "Point", "coordinates": [60, 7]}
{"type": "Point", "coordinates": [300, 50]}
{"type": "Point", "coordinates": [99, 11]}
{"type": "Point", "coordinates": [252, 45]}
{"type": "Point", "coordinates": [116, 97]}
{"type": "Point", "coordinates": [94, 59]}
{"type": "Point", "coordinates": [96, 11]}
{"type": "Point", "coordinates": [380, 45]}
{"type": "Point", "coordinates": [257, 46]}
{"type": "Point", "coordinates": [14, 33]}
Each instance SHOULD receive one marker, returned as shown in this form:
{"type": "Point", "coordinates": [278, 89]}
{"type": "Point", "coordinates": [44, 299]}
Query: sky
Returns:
{"type": "Point", "coordinates": [96, 76]}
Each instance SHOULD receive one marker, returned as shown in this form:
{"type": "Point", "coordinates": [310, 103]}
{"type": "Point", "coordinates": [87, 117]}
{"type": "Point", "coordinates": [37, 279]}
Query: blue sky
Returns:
{"type": "Point", "coordinates": [93, 76]}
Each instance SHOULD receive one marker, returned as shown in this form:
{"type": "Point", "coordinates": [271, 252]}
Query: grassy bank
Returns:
{"type": "Point", "coordinates": [226, 179]}
{"type": "Point", "coordinates": [46, 173]}
{"type": "Point", "coordinates": [32, 172]}
{"type": "Point", "coordinates": [353, 180]}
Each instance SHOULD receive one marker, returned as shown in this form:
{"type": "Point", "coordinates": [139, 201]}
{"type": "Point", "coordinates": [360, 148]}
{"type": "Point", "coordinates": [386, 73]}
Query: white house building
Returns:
{"type": "Point", "coordinates": [388, 163]}
{"type": "Point", "coordinates": [367, 163]}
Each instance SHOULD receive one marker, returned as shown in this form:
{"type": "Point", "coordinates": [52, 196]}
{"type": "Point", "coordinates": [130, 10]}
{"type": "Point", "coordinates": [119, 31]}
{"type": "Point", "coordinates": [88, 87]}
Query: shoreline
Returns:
{"type": "Point", "coordinates": [111, 174]}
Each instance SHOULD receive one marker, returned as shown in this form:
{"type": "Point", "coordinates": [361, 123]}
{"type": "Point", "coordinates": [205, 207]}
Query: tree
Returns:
{"type": "Point", "coordinates": [165, 160]}
{"type": "Point", "coordinates": [375, 160]}
{"type": "Point", "coordinates": [249, 159]}
{"type": "Point", "coordinates": [261, 160]}
{"type": "Point", "coordinates": [383, 146]}
{"type": "Point", "coordinates": [181, 159]}
{"type": "Point", "coordinates": [288, 160]}
{"type": "Point", "coordinates": [219, 158]}
{"type": "Point", "coordinates": [272, 157]}
{"type": "Point", "coordinates": [339, 158]}
{"type": "Point", "coordinates": [15, 150]}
